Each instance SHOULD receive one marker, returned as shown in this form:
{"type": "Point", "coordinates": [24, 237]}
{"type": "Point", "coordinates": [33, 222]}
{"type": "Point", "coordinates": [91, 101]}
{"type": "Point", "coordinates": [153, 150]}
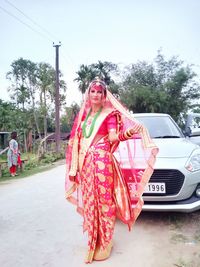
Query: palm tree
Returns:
{"type": "Point", "coordinates": [103, 70]}
{"type": "Point", "coordinates": [23, 76]}
{"type": "Point", "coordinates": [46, 83]}
{"type": "Point", "coordinates": [85, 75]}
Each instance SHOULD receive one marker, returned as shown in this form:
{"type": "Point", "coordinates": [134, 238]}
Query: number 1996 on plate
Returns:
{"type": "Point", "coordinates": [155, 188]}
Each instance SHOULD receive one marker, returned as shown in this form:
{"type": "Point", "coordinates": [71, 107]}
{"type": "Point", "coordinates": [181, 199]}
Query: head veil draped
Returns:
{"type": "Point", "coordinates": [140, 154]}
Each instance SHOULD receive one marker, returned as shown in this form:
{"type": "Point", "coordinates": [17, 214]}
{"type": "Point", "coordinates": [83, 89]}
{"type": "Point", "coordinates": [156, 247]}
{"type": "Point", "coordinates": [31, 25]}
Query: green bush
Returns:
{"type": "Point", "coordinates": [32, 163]}
{"type": "Point", "coordinates": [5, 172]}
{"type": "Point", "coordinates": [52, 157]}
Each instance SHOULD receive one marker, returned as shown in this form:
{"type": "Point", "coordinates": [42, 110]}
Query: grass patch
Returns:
{"type": "Point", "coordinates": [191, 263]}
{"type": "Point", "coordinates": [179, 238]}
{"type": "Point", "coordinates": [27, 173]}
{"type": "Point", "coordinates": [33, 166]}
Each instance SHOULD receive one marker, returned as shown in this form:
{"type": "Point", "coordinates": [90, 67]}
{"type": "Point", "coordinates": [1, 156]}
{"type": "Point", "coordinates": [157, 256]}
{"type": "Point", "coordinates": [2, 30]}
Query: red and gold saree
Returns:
{"type": "Point", "coordinates": [100, 191]}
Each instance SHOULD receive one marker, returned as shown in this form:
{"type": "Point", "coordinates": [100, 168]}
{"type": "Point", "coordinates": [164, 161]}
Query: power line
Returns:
{"type": "Point", "coordinates": [33, 29]}
{"type": "Point", "coordinates": [45, 30]}
{"type": "Point", "coordinates": [10, 14]}
{"type": "Point", "coordinates": [67, 60]}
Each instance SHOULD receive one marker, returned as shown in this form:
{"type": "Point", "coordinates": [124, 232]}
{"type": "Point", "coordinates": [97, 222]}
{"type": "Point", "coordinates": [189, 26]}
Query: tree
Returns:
{"type": "Point", "coordinates": [23, 76]}
{"type": "Point", "coordinates": [46, 84]}
{"type": "Point", "coordinates": [14, 118]}
{"type": "Point", "coordinates": [85, 75]}
{"type": "Point", "coordinates": [68, 118]}
{"type": "Point", "coordinates": [6, 116]}
{"type": "Point", "coordinates": [33, 88]}
{"type": "Point", "coordinates": [103, 70]}
{"type": "Point", "coordinates": [165, 86]}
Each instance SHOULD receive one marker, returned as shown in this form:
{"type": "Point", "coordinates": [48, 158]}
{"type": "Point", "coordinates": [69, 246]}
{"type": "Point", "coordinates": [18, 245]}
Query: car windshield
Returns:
{"type": "Point", "coordinates": [160, 127]}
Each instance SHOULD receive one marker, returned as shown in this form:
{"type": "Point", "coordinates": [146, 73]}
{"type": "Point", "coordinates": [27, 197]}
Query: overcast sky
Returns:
{"type": "Point", "coordinates": [119, 31]}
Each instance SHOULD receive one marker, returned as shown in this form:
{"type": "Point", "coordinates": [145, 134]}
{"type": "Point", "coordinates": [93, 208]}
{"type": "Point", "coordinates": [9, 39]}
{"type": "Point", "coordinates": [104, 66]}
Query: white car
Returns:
{"type": "Point", "coordinates": [175, 182]}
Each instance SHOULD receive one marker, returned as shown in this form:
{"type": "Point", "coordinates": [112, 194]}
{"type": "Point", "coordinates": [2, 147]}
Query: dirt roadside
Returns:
{"type": "Point", "coordinates": [162, 240]}
{"type": "Point", "coordinates": [38, 227]}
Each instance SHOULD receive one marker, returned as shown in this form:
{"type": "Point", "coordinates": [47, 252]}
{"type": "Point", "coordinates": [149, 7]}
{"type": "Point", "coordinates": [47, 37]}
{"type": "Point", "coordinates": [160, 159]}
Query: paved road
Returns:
{"type": "Point", "coordinates": [39, 228]}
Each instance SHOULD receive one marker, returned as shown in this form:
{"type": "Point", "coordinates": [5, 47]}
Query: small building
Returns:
{"type": "Point", "coordinates": [4, 140]}
{"type": "Point", "coordinates": [63, 137]}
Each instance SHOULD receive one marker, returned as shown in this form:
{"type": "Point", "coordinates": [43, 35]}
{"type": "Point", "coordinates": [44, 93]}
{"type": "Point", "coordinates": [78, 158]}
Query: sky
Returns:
{"type": "Point", "coordinates": [119, 31]}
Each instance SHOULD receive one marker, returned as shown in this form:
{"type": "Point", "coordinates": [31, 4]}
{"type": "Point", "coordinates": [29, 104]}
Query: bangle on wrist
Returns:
{"type": "Point", "coordinates": [128, 133]}
{"type": "Point", "coordinates": [121, 137]}
{"type": "Point", "coordinates": [125, 136]}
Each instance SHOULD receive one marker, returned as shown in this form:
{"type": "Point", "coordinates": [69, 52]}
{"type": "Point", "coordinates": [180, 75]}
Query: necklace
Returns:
{"type": "Point", "coordinates": [91, 125]}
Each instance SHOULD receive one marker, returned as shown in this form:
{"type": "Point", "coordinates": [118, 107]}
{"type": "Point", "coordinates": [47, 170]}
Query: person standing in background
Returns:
{"type": "Point", "coordinates": [13, 153]}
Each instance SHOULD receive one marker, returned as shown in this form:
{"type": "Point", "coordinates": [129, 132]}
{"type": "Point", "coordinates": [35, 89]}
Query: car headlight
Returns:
{"type": "Point", "coordinates": [193, 163]}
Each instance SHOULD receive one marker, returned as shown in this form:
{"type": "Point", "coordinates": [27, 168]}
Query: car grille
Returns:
{"type": "Point", "coordinates": [173, 180]}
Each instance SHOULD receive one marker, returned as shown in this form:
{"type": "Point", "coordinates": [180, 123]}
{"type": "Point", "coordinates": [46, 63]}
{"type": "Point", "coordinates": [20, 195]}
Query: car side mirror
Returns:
{"type": "Point", "coordinates": [187, 131]}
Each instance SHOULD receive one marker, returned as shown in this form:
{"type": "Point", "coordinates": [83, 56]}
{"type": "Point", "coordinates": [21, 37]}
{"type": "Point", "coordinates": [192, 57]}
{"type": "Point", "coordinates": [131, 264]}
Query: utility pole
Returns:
{"type": "Point", "coordinates": [57, 100]}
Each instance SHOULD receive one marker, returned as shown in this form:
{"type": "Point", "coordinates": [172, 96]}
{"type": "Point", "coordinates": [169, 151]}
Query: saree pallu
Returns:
{"type": "Point", "coordinates": [97, 194]}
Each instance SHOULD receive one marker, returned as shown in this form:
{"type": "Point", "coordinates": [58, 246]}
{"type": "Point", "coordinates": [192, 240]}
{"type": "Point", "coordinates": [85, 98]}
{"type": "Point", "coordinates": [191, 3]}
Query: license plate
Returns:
{"type": "Point", "coordinates": [155, 188]}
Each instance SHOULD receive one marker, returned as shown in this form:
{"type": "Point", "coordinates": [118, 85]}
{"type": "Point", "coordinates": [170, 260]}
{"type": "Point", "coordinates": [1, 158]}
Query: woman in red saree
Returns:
{"type": "Point", "coordinates": [94, 180]}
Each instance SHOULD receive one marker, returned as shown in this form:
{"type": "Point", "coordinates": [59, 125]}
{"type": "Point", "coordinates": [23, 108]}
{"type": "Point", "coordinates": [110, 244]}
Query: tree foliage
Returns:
{"type": "Point", "coordinates": [14, 118]}
{"type": "Point", "coordinates": [33, 90]}
{"type": "Point", "coordinates": [68, 118]}
{"type": "Point", "coordinates": [165, 86]}
{"type": "Point", "coordinates": [103, 70]}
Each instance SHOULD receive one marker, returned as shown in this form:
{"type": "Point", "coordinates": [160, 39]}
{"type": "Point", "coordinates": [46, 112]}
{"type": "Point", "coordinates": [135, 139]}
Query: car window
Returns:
{"type": "Point", "coordinates": [161, 127]}
{"type": "Point", "coordinates": [195, 123]}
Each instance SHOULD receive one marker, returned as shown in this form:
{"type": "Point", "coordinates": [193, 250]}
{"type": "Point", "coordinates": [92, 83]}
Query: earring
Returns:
{"type": "Point", "coordinates": [88, 101]}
